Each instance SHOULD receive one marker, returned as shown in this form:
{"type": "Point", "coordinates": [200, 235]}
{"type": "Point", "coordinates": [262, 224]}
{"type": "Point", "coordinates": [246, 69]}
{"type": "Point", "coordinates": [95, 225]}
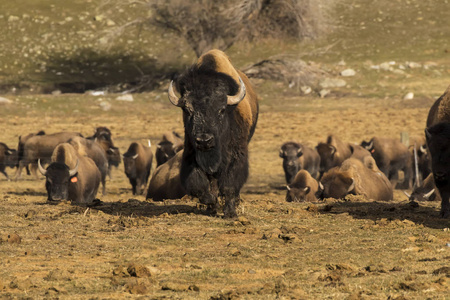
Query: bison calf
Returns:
{"type": "Point", "coordinates": [358, 178]}
{"type": "Point", "coordinates": [298, 157]}
{"type": "Point", "coordinates": [71, 177]}
{"type": "Point", "coordinates": [137, 162]}
{"type": "Point", "coordinates": [303, 188]}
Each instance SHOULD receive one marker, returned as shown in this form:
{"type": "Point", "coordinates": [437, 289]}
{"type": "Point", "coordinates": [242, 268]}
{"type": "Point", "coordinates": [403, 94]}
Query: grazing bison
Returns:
{"type": "Point", "coordinates": [391, 157]}
{"type": "Point", "coordinates": [41, 147]}
{"type": "Point", "coordinates": [170, 144]}
{"type": "Point", "coordinates": [425, 192]}
{"type": "Point", "coordinates": [8, 158]}
{"type": "Point", "coordinates": [332, 153]}
{"type": "Point", "coordinates": [138, 164]}
{"type": "Point", "coordinates": [165, 182]}
{"type": "Point", "coordinates": [298, 157]}
{"type": "Point", "coordinates": [303, 188]}
{"type": "Point", "coordinates": [358, 178]}
{"type": "Point", "coordinates": [220, 112]}
{"type": "Point", "coordinates": [91, 149]}
{"type": "Point", "coordinates": [71, 177]}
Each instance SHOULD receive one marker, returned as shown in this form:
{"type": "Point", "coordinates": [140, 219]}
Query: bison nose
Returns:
{"type": "Point", "coordinates": [204, 141]}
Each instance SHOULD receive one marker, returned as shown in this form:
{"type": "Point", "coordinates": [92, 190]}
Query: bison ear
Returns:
{"type": "Point", "coordinates": [174, 99]}
{"type": "Point", "coordinates": [281, 153]}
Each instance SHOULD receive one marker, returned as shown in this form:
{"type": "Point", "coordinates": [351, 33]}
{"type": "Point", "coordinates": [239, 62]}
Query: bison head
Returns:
{"type": "Point", "coordinates": [208, 100]}
{"type": "Point", "coordinates": [129, 162]}
{"type": "Point", "coordinates": [165, 151]}
{"type": "Point", "coordinates": [327, 153]}
{"type": "Point", "coordinates": [58, 178]}
{"type": "Point", "coordinates": [337, 184]}
{"type": "Point", "coordinates": [290, 153]}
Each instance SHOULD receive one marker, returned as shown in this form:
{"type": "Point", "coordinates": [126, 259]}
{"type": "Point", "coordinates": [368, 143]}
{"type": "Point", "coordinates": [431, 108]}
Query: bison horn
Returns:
{"type": "Point", "coordinates": [423, 149]}
{"type": "Point", "coordinates": [74, 170]}
{"type": "Point", "coordinates": [428, 195]}
{"type": "Point", "coordinates": [149, 143]}
{"type": "Point", "coordinates": [233, 100]}
{"type": "Point", "coordinates": [135, 156]}
{"type": "Point", "coordinates": [407, 195]}
{"type": "Point", "coordinates": [172, 97]}
{"type": "Point", "coordinates": [41, 169]}
{"type": "Point", "coordinates": [333, 149]}
{"type": "Point", "coordinates": [288, 188]}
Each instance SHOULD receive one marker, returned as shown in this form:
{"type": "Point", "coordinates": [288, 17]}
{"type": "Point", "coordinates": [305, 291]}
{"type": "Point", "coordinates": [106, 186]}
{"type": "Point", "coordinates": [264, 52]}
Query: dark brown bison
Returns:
{"type": "Point", "coordinates": [165, 182]}
{"type": "Point", "coordinates": [20, 150]}
{"type": "Point", "coordinates": [303, 188]}
{"type": "Point", "coordinates": [332, 153]}
{"type": "Point", "coordinates": [391, 157]}
{"type": "Point", "coordinates": [41, 147]}
{"type": "Point", "coordinates": [71, 177]}
{"type": "Point", "coordinates": [220, 112]}
{"type": "Point", "coordinates": [101, 131]}
{"type": "Point", "coordinates": [419, 152]}
{"type": "Point", "coordinates": [137, 162]}
{"type": "Point", "coordinates": [91, 149]}
{"type": "Point", "coordinates": [425, 192]}
{"type": "Point", "coordinates": [358, 178]}
{"type": "Point", "coordinates": [8, 158]}
{"type": "Point", "coordinates": [170, 144]}
{"type": "Point", "coordinates": [298, 157]}
{"type": "Point", "coordinates": [112, 153]}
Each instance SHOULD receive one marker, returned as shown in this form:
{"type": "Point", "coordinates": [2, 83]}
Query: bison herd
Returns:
{"type": "Point", "coordinates": [220, 113]}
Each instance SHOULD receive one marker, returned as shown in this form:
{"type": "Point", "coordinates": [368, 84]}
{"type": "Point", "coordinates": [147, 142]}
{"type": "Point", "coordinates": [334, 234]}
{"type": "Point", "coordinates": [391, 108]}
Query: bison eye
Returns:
{"type": "Point", "coordinates": [222, 111]}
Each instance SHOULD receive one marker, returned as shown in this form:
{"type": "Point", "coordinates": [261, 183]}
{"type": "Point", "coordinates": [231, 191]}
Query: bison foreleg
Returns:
{"type": "Point", "coordinates": [445, 204]}
{"type": "Point", "coordinates": [231, 199]}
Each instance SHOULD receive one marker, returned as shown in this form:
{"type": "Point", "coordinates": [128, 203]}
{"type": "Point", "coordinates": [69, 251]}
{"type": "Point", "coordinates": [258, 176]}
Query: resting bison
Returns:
{"type": "Point", "coordinates": [71, 177]}
{"type": "Point", "coordinates": [8, 158]}
{"type": "Point", "coordinates": [91, 149]}
{"type": "Point", "coordinates": [170, 144]}
{"type": "Point", "coordinates": [303, 188]}
{"type": "Point", "coordinates": [391, 156]}
{"type": "Point", "coordinates": [358, 178]}
{"type": "Point", "coordinates": [425, 192]}
{"type": "Point", "coordinates": [137, 162]}
{"type": "Point", "coordinates": [41, 147]}
{"type": "Point", "coordinates": [332, 153]}
{"type": "Point", "coordinates": [165, 182]}
{"type": "Point", "coordinates": [220, 111]}
{"type": "Point", "coordinates": [298, 157]}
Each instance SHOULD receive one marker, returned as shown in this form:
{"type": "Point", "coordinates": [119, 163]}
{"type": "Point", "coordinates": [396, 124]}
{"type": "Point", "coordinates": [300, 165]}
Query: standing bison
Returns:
{"type": "Point", "coordinates": [391, 157]}
{"type": "Point", "coordinates": [8, 158]}
{"type": "Point", "coordinates": [137, 162]}
{"type": "Point", "coordinates": [70, 176]}
{"type": "Point", "coordinates": [298, 157]}
{"type": "Point", "coordinates": [220, 111]}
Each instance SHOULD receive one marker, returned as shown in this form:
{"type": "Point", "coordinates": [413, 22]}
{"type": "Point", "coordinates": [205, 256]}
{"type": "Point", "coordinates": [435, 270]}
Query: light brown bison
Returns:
{"type": "Point", "coordinates": [90, 148]}
{"type": "Point", "coordinates": [70, 176]}
{"type": "Point", "coordinates": [359, 152]}
{"type": "Point", "coordinates": [137, 162]}
{"type": "Point", "coordinates": [391, 156]}
{"type": "Point", "coordinates": [220, 112]}
{"type": "Point", "coordinates": [20, 150]}
{"type": "Point", "coordinates": [8, 158]}
{"type": "Point", "coordinates": [298, 157]}
{"type": "Point", "coordinates": [170, 144]}
{"type": "Point", "coordinates": [41, 147]}
{"type": "Point", "coordinates": [332, 153]}
{"type": "Point", "coordinates": [303, 188]}
{"type": "Point", "coordinates": [358, 178]}
{"type": "Point", "coordinates": [165, 182]}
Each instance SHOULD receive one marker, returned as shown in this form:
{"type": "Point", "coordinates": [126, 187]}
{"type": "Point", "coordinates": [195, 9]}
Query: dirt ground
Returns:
{"type": "Point", "coordinates": [128, 247]}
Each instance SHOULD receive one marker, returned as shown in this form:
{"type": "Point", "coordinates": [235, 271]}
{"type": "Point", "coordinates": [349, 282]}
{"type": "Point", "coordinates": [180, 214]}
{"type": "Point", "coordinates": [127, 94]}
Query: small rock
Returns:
{"type": "Point", "coordinates": [251, 271]}
{"type": "Point", "coordinates": [409, 96]}
{"type": "Point", "coordinates": [126, 97]}
{"type": "Point", "coordinates": [56, 93]}
{"type": "Point", "coordinates": [348, 73]}
{"type": "Point", "coordinates": [413, 65]}
{"type": "Point", "coordinates": [14, 238]}
{"type": "Point", "coordinates": [244, 221]}
{"type": "Point", "coordinates": [306, 90]}
{"type": "Point", "coordinates": [13, 18]}
{"type": "Point", "coordinates": [105, 105]}
{"type": "Point", "coordinates": [323, 93]}
{"type": "Point", "coordinates": [332, 82]}
{"type": "Point", "coordinates": [386, 66]}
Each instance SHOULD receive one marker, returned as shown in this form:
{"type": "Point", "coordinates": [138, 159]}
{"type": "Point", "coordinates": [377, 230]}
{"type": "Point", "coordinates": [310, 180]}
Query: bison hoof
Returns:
{"type": "Point", "coordinates": [445, 214]}
{"type": "Point", "coordinates": [229, 213]}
